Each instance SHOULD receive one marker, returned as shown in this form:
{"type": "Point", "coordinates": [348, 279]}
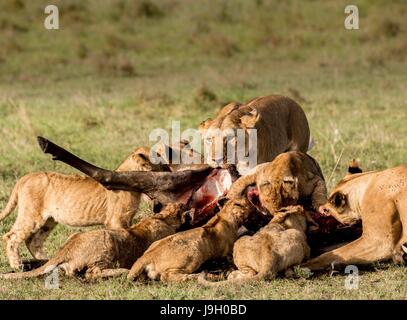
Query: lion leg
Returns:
{"type": "Point", "coordinates": [18, 234]}
{"type": "Point", "coordinates": [178, 276]}
{"type": "Point", "coordinates": [381, 232]}
{"type": "Point", "coordinates": [11, 247]}
{"type": "Point", "coordinates": [399, 253]}
{"type": "Point", "coordinates": [240, 186]}
{"type": "Point", "coordinates": [36, 241]}
{"type": "Point", "coordinates": [361, 251]}
{"type": "Point", "coordinates": [284, 212]}
{"type": "Point", "coordinates": [118, 218]}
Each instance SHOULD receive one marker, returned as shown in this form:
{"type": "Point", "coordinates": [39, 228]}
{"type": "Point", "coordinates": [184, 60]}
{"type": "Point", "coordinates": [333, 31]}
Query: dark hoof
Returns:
{"type": "Point", "coordinates": [43, 143]}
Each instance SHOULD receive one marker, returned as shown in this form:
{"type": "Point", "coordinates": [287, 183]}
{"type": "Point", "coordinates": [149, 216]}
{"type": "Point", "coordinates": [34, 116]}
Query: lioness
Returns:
{"type": "Point", "coordinates": [177, 257]}
{"type": "Point", "coordinates": [281, 126]}
{"type": "Point", "coordinates": [282, 243]}
{"type": "Point", "coordinates": [47, 198]}
{"type": "Point", "coordinates": [379, 199]}
{"type": "Point", "coordinates": [290, 178]}
{"type": "Point", "coordinates": [105, 253]}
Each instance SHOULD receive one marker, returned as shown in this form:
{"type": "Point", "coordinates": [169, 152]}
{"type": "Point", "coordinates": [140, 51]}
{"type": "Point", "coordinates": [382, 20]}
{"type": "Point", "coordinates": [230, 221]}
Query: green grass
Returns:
{"type": "Point", "coordinates": [116, 70]}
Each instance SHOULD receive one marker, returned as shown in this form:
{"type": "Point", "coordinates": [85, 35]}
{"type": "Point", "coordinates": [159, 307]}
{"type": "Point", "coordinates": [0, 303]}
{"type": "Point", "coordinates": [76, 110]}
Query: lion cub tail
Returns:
{"type": "Point", "coordinates": [12, 202]}
{"type": "Point", "coordinates": [46, 268]}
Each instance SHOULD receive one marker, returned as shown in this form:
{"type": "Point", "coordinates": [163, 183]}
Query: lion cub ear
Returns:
{"type": "Point", "coordinates": [204, 125]}
{"type": "Point", "coordinates": [290, 187]}
{"type": "Point", "coordinates": [249, 120]}
{"type": "Point", "coordinates": [229, 108]}
{"type": "Point", "coordinates": [290, 181]}
{"type": "Point", "coordinates": [354, 167]}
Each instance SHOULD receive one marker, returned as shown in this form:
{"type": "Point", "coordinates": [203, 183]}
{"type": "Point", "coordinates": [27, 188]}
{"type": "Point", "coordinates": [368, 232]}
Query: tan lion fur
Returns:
{"type": "Point", "coordinates": [177, 257]}
{"type": "Point", "coordinates": [290, 177]}
{"type": "Point", "coordinates": [379, 199]}
{"type": "Point", "coordinates": [281, 244]}
{"type": "Point", "coordinates": [47, 198]}
{"type": "Point", "coordinates": [280, 122]}
{"type": "Point", "coordinates": [104, 253]}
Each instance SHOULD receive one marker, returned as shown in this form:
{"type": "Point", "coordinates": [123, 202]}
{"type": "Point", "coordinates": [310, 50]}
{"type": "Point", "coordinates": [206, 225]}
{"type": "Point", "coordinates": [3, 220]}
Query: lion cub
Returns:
{"type": "Point", "coordinates": [291, 178]}
{"type": "Point", "coordinates": [47, 198]}
{"type": "Point", "coordinates": [279, 245]}
{"type": "Point", "coordinates": [177, 257]}
{"type": "Point", "coordinates": [106, 253]}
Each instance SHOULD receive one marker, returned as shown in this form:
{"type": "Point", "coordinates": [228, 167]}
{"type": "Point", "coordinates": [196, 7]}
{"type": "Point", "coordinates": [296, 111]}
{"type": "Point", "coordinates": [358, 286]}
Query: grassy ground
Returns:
{"type": "Point", "coordinates": [118, 69]}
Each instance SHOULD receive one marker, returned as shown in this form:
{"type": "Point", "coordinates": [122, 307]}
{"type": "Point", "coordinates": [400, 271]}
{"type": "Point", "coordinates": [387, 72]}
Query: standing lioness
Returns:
{"type": "Point", "coordinates": [47, 198]}
{"type": "Point", "coordinates": [281, 126]}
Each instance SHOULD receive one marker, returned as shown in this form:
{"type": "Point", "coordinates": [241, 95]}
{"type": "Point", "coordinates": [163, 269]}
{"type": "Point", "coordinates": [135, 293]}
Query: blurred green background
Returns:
{"type": "Point", "coordinates": [118, 69]}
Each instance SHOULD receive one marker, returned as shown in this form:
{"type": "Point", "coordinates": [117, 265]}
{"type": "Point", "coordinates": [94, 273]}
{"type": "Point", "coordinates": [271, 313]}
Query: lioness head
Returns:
{"type": "Point", "coordinates": [341, 203]}
{"type": "Point", "coordinates": [221, 136]}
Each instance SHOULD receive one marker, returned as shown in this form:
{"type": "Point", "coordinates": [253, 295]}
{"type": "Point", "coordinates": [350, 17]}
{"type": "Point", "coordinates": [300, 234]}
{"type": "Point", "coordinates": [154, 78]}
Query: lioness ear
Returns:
{"type": "Point", "coordinates": [290, 180]}
{"type": "Point", "coordinates": [353, 167]}
{"type": "Point", "coordinates": [204, 125]}
{"type": "Point", "coordinates": [249, 120]}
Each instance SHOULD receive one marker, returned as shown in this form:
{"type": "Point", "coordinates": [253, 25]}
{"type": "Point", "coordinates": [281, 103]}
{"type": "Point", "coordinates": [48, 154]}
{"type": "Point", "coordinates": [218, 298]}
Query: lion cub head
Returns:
{"type": "Point", "coordinates": [277, 188]}
{"type": "Point", "coordinates": [341, 204]}
{"type": "Point", "coordinates": [139, 160]}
